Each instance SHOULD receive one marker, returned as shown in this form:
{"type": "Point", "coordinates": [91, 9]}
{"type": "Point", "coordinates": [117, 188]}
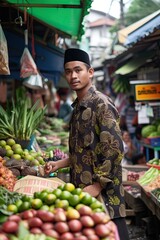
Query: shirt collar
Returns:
{"type": "Point", "coordinates": [85, 100]}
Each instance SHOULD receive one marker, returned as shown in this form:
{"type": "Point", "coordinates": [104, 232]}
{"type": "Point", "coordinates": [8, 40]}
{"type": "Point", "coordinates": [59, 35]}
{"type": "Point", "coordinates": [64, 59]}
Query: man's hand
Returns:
{"type": "Point", "coordinates": [50, 167]}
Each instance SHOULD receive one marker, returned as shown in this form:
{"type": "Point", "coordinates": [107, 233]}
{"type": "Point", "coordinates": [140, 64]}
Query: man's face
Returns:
{"type": "Point", "coordinates": [77, 75]}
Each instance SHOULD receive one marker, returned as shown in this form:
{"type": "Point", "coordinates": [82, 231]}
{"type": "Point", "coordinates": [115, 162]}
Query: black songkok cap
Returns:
{"type": "Point", "coordinates": [75, 54]}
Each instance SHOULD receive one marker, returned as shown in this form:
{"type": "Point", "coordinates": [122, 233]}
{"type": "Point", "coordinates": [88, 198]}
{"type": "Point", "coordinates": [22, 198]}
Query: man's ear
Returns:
{"type": "Point", "coordinates": [91, 72]}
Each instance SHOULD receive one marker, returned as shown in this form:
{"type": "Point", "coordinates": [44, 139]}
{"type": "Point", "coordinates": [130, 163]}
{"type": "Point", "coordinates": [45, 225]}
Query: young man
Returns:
{"type": "Point", "coordinates": [95, 142]}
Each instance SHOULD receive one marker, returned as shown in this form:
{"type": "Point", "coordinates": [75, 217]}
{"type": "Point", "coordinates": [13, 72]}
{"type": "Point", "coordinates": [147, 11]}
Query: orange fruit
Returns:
{"type": "Point", "coordinates": [36, 203]}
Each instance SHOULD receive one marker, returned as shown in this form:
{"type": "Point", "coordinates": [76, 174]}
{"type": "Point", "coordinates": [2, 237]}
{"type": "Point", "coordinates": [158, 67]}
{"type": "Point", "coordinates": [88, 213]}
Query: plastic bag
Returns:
{"type": "Point", "coordinates": [28, 66]}
{"type": "Point", "coordinates": [4, 67]}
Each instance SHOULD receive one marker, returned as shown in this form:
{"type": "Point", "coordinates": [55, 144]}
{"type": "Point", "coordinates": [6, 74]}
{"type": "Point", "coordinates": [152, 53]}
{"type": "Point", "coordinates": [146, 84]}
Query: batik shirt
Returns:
{"type": "Point", "coordinates": [96, 149]}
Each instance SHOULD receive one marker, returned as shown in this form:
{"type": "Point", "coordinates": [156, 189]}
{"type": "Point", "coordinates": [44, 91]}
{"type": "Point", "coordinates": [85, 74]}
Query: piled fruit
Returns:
{"type": "Point", "coordinates": [20, 160]}
{"type": "Point", "coordinates": [7, 178]}
{"type": "Point", "coordinates": [63, 213]}
{"type": "Point", "coordinates": [63, 224]}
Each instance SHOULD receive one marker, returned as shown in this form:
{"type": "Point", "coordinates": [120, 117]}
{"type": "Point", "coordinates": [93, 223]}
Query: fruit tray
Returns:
{"type": "Point", "coordinates": [153, 165]}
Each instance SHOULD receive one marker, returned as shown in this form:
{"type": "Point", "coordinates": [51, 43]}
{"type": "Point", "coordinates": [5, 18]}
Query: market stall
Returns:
{"type": "Point", "coordinates": [142, 187]}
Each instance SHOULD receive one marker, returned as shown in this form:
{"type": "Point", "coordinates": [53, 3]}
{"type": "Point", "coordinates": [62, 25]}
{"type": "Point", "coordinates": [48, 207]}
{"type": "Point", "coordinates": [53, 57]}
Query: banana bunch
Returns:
{"type": "Point", "coordinates": [121, 85]}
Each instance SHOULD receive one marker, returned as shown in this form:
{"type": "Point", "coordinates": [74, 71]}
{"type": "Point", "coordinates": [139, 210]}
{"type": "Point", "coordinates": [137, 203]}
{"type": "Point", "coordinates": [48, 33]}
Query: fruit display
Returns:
{"type": "Point", "coordinates": [7, 178]}
{"type": "Point", "coordinates": [20, 161]}
{"type": "Point", "coordinates": [63, 213]}
{"type": "Point", "coordinates": [150, 175]}
{"type": "Point", "coordinates": [52, 133]}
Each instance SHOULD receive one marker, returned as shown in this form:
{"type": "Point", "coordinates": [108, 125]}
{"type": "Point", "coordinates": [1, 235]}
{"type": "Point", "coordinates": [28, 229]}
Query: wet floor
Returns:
{"type": "Point", "coordinates": [141, 231]}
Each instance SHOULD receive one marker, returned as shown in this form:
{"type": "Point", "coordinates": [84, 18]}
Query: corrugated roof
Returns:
{"type": "Point", "coordinates": [123, 34]}
{"type": "Point", "coordinates": [143, 31]}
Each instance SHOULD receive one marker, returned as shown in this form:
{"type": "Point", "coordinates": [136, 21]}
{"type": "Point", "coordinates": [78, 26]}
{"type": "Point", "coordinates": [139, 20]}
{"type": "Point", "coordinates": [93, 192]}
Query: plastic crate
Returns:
{"type": "Point", "coordinates": [154, 141]}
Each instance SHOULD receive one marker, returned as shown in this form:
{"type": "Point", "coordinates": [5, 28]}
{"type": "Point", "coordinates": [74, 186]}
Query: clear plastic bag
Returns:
{"type": "Point", "coordinates": [28, 66]}
{"type": "Point", "coordinates": [4, 66]}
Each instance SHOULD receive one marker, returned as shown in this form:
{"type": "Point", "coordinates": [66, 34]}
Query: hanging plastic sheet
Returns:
{"type": "Point", "coordinates": [4, 66]}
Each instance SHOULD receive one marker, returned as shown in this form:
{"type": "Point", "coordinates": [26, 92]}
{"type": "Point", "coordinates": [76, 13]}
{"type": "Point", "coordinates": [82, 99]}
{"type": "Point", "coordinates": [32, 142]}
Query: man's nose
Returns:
{"type": "Point", "coordinates": [74, 74]}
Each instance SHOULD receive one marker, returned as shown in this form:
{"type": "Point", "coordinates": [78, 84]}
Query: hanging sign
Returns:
{"type": "Point", "coordinates": [147, 92]}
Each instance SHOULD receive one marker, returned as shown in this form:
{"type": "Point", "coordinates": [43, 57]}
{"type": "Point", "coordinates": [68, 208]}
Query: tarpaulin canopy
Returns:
{"type": "Point", "coordinates": [135, 63]}
{"type": "Point", "coordinates": [65, 15]}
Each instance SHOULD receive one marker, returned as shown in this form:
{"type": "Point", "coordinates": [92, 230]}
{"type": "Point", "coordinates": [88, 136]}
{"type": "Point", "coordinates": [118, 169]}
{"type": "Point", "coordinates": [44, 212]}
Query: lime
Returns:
{"type": "Point", "coordinates": [36, 203]}
{"type": "Point", "coordinates": [45, 207]}
{"type": "Point", "coordinates": [51, 208]}
{"type": "Point", "coordinates": [73, 200]}
{"type": "Point", "coordinates": [18, 151]}
{"type": "Point", "coordinates": [42, 195]}
{"type": "Point", "coordinates": [37, 194]}
{"type": "Point", "coordinates": [96, 204]}
{"type": "Point", "coordinates": [16, 156]}
{"type": "Point", "coordinates": [18, 203]}
{"type": "Point", "coordinates": [12, 208]}
{"type": "Point", "coordinates": [50, 198]}
{"type": "Point", "coordinates": [7, 147]}
{"type": "Point", "coordinates": [26, 198]}
{"type": "Point", "coordinates": [24, 206]}
{"type": "Point", "coordinates": [9, 153]}
{"type": "Point", "coordinates": [98, 210]}
{"type": "Point", "coordinates": [62, 204]}
{"type": "Point", "coordinates": [10, 141]}
{"type": "Point", "coordinates": [77, 191]}
{"type": "Point", "coordinates": [69, 187]}
{"type": "Point", "coordinates": [86, 199]}
{"type": "Point", "coordinates": [57, 192]}
{"type": "Point", "coordinates": [65, 195]}
{"type": "Point", "coordinates": [3, 143]}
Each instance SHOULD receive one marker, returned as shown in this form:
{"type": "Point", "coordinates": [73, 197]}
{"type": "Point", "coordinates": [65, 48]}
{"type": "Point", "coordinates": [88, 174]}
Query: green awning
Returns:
{"type": "Point", "coordinates": [65, 15]}
{"type": "Point", "coordinates": [135, 63]}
